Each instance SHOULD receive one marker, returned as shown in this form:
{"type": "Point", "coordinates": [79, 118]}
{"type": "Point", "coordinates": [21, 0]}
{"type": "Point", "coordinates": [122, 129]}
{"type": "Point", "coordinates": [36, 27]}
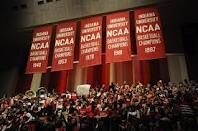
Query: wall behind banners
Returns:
{"type": "Point", "coordinates": [70, 9]}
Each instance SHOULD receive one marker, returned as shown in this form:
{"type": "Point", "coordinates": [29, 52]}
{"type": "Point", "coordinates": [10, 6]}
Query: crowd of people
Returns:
{"type": "Point", "coordinates": [120, 107]}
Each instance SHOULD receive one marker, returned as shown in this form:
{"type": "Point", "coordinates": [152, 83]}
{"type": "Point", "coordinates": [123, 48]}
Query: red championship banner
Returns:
{"type": "Point", "coordinates": [64, 46]}
{"type": "Point", "coordinates": [38, 57]}
{"type": "Point", "coordinates": [118, 44]}
{"type": "Point", "coordinates": [149, 39]}
{"type": "Point", "coordinates": [90, 42]}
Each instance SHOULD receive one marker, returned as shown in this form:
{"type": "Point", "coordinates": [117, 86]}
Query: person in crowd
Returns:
{"type": "Point", "coordinates": [160, 106]}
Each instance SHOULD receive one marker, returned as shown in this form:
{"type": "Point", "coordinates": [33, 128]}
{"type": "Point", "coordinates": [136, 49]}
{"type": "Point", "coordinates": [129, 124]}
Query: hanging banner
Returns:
{"type": "Point", "coordinates": [38, 57]}
{"type": "Point", "coordinates": [118, 44]}
{"type": "Point", "coordinates": [64, 46]}
{"type": "Point", "coordinates": [149, 39]}
{"type": "Point", "coordinates": [90, 42]}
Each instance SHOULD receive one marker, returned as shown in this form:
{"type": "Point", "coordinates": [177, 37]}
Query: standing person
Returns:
{"type": "Point", "coordinates": [112, 86]}
{"type": "Point", "coordinates": [187, 114]}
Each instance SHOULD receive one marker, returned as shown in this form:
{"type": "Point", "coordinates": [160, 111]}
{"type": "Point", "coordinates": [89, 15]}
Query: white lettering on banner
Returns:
{"type": "Point", "coordinates": [62, 61]}
{"type": "Point", "coordinates": [118, 37]}
{"type": "Point", "coordinates": [66, 29]}
{"type": "Point", "coordinates": [42, 38]}
{"type": "Point", "coordinates": [143, 37]}
{"type": "Point", "coordinates": [116, 25]}
{"type": "Point", "coordinates": [90, 37]}
{"type": "Point", "coordinates": [64, 46]}
{"type": "Point", "coordinates": [93, 29]}
{"type": "Point", "coordinates": [39, 50]}
{"type": "Point", "coordinates": [146, 15]}
{"type": "Point", "coordinates": [150, 49]}
{"type": "Point", "coordinates": [64, 54]}
{"type": "Point", "coordinates": [117, 40]}
{"type": "Point", "coordinates": [149, 39]}
{"type": "Point", "coordinates": [88, 25]}
{"type": "Point", "coordinates": [117, 52]}
{"type": "Point", "coordinates": [37, 64]}
{"type": "Point", "coordinates": [38, 46]}
{"type": "Point", "coordinates": [147, 20]}
{"type": "Point", "coordinates": [62, 42]}
{"type": "Point", "coordinates": [147, 28]}
{"type": "Point", "coordinates": [64, 34]}
{"type": "Point", "coordinates": [62, 49]}
{"type": "Point", "coordinates": [154, 35]}
{"type": "Point", "coordinates": [89, 57]}
{"type": "Point", "coordinates": [117, 32]}
{"type": "Point", "coordinates": [148, 36]}
{"type": "Point", "coordinates": [149, 42]}
{"type": "Point", "coordinates": [38, 53]}
{"type": "Point", "coordinates": [117, 45]}
{"type": "Point", "coordinates": [116, 20]}
{"type": "Point", "coordinates": [89, 50]}
{"type": "Point", "coordinates": [88, 45]}
{"type": "Point", "coordinates": [38, 58]}
{"type": "Point", "coordinates": [41, 33]}
{"type": "Point", "coordinates": [90, 41]}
